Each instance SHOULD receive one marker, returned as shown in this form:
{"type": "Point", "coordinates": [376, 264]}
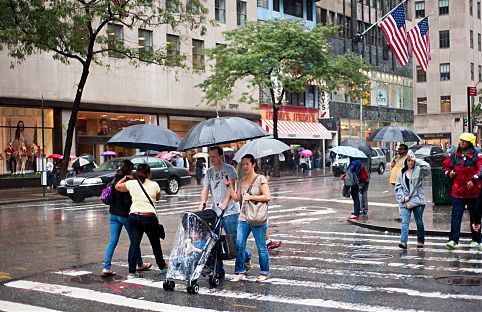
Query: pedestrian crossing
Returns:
{"type": "Point", "coordinates": [313, 270]}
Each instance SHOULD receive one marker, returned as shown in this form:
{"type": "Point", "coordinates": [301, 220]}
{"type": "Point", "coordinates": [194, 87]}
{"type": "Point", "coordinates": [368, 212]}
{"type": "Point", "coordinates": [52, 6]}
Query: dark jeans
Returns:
{"type": "Point", "coordinates": [458, 206]}
{"type": "Point", "coordinates": [12, 162]}
{"type": "Point", "coordinates": [355, 195]}
{"type": "Point", "coordinates": [140, 225]}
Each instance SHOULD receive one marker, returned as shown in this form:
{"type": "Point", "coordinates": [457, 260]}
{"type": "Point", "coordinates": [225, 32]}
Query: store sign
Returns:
{"type": "Point", "coordinates": [324, 105]}
{"type": "Point", "coordinates": [289, 113]}
{"type": "Point", "coordinates": [382, 99]}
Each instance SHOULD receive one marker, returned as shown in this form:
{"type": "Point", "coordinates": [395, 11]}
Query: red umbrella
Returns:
{"type": "Point", "coordinates": [55, 156]}
{"type": "Point", "coordinates": [161, 154]}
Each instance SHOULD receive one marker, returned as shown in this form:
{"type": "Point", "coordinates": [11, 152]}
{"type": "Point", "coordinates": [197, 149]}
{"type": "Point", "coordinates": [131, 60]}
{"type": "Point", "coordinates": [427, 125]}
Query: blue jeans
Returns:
{"type": "Point", "coordinates": [355, 195]}
{"type": "Point", "coordinates": [418, 216]}
{"type": "Point", "coordinates": [259, 233]}
{"type": "Point", "coordinates": [230, 225]}
{"type": "Point", "coordinates": [116, 223]}
{"type": "Point", "coordinates": [458, 206]}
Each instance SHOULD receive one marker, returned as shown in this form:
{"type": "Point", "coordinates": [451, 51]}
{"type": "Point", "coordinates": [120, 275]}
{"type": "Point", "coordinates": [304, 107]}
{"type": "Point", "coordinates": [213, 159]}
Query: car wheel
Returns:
{"type": "Point", "coordinates": [77, 198]}
{"type": "Point", "coordinates": [381, 168]}
{"type": "Point", "coordinates": [172, 187]}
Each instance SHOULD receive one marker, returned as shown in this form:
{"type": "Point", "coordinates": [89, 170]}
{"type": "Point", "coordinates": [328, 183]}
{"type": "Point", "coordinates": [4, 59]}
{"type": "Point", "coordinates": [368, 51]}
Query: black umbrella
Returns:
{"type": "Point", "coordinates": [220, 130]}
{"type": "Point", "coordinates": [362, 146]}
{"type": "Point", "coordinates": [146, 136]}
{"type": "Point", "coordinates": [394, 134]}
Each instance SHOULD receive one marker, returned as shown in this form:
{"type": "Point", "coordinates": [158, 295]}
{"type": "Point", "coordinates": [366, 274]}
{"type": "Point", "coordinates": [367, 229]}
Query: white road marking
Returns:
{"type": "Point", "coordinates": [8, 306]}
{"type": "Point", "coordinates": [343, 201]}
{"type": "Point", "coordinates": [97, 296]}
{"type": "Point", "coordinates": [72, 272]}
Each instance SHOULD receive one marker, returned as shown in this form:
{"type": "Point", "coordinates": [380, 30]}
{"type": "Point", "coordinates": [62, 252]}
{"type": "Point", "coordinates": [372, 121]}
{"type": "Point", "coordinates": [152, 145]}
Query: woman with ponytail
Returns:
{"type": "Point", "coordinates": [143, 217]}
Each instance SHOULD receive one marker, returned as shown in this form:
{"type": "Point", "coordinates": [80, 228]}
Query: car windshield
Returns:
{"type": "Point", "coordinates": [421, 150]}
{"type": "Point", "coordinates": [110, 165]}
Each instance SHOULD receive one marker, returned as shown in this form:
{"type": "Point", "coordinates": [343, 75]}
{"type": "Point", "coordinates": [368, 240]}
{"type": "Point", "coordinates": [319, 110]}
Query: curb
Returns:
{"type": "Point", "coordinates": [382, 228]}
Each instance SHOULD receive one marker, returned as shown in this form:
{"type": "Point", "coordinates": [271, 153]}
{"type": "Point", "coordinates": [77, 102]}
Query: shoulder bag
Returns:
{"type": "Point", "coordinates": [256, 213]}
{"type": "Point", "coordinates": [106, 194]}
{"type": "Point", "coordinates": [161, 232]}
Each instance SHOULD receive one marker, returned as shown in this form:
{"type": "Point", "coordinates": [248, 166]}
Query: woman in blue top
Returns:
{"type": "Point", "coordinates": [411, 197]}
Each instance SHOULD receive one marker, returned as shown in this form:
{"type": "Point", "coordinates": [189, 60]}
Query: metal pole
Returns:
{"type": "Point", "coordinates": [361, 119]}
{"type": "Point", "coordinates": [381, 18]}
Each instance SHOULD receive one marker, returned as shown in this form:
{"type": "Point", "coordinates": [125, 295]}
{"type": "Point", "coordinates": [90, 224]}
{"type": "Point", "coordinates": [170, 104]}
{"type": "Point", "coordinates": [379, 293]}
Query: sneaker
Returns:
{"type": "Point", "coordinates": [474, 244]}
{"type": "Point", "coordinates": [398, 219]}
{"type": "Point", "coordinates": [419, 245]}
{"type": "Point", "coordinates": [133, 276]}
{"type": "Point", "coordinates": [262, 278]}
{"type": "Point", "coordinates": [451, 244]}
{"type": "Point", "coordinates": [247, 264]}
{"type": "Point", "coordinates": [273, 244]}
{"type": "Point", "coordinates": [364, 211]}
{"type": "Point", "coordinates": [239, 277]}
{"type": "Point", "coordinates": [402, 245]}
{"type": "Point", "coordinates": [353, 217]}
{"type": "Point", "coordinates": [164, 268]}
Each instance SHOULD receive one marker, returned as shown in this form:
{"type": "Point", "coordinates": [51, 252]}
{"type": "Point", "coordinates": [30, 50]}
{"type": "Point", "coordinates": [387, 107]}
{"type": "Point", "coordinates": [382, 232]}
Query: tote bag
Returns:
{"type": "Point", "coordinates": [256, 213]}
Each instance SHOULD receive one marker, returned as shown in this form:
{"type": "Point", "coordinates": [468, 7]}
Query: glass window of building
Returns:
{"type": "Point", "coordinates": [145, 44]}
{"type": "Point", "coordinates": [422, 105]}
{"type": "Point", "coordinates": [471, 7]}
{"type": "Point", "coordinates": [293, 7]}
{"type": "Point", "coordinates": [444, 39]}
{"type": "Point", "coordinates": [478, 42]}
{"type": "Point", "coordinates": [421, 75]}
{"type": "Point", "coordinates": [263, 4]}
{"type": "Point", "coordinates": [197, 54]}
{"type": "Point", "coordinates": [172, 6]}
{"type": "Point", "coordinates": [445, 71]}
{"type": "Point", "coordinates": [173, 51]}
{"type": "Point", "coordinates": [480, 73]}
{"type": "Point", "coordinates": [115, 37]}
{"type": "Point", "coordinates": [472, 71]}
{"type": "Point", "coordinates": [443, 7]}
{"type": "Point", "coordinates": [419, 9]}
{"type": "Point", "coordinates": [311, 97]}
{"type": "Point", "coordinates": [471, 39]}
{"type": "Point", "coordinates": [295, 98]}
{"type": "Point", "coordinates": [321, 16]}
{"type": "Point", "coordinates": [445, 104]}
{"type": "Point", "coordinates": [309, 10]}
{"type": "Point", "coordinates": [241, 12]}
{"type": "Point", "coordinates": [276, 5]}
{"type": "Point", "coordinates": [220, 11]}
{"type": "Point", "coordinates": [478, 9]}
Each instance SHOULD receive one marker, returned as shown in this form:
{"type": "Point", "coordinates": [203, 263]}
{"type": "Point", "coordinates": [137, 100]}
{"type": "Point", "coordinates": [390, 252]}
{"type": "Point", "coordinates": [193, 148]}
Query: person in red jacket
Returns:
{"type": "Point", "coordinates": [464, 169]}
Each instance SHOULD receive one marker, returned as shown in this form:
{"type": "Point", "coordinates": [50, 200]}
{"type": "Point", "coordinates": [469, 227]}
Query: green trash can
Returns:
{"type": "Point", "coordinates": [441, 187]}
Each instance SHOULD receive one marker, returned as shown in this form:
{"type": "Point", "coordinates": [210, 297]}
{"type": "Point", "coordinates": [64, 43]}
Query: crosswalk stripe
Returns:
{"type": "Point", "coordinates": [8, 306]}
{"type": "Point", "coordinates": [97, 296]}
{"type": "Point", "coordinates": [375, 235]}
{"type": "Point", "coordinates": [72, 272]}
{"type": "Point", "coordinates": [342, 201]}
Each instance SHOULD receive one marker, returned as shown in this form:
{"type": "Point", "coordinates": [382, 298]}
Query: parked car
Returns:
{"type": "Point", "coordinates": [377, 162]}
{"type": "Point", "coordinates": [432, 154]}
{"type": "Point", "coordinates": [90, 184]}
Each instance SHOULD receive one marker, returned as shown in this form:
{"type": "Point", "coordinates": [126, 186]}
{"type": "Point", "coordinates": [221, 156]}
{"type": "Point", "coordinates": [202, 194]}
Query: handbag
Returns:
{"type": "Point", "coordinates": [160, 229]}
{"type": "Point", "coordinates": [227, 247]}
{"type": "Point", "coordinates": [256, 213]}
{"type": "Point", "coordinates": [106, 194]}
{"type": "Point", "coordinates": [345, 192]}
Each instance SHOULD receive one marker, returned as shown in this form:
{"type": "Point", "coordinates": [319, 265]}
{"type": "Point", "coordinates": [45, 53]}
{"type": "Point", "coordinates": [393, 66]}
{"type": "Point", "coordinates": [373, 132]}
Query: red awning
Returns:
{"type": "Point", "coordinates": [297, 130]}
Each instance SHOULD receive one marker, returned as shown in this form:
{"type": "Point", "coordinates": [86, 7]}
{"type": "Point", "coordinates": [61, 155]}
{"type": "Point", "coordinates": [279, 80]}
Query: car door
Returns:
{"type": "Point", "coordinates": [160, 171]}
{"type": "Point", "coordinates": [375, 160]}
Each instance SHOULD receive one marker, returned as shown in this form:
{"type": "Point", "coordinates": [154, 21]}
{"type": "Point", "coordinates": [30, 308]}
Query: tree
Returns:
{"type": "Point", "coordinates": [76, 30]}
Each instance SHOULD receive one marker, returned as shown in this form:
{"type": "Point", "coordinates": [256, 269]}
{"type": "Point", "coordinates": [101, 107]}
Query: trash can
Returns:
{"type": "Point", "coordinates": [441, 187]}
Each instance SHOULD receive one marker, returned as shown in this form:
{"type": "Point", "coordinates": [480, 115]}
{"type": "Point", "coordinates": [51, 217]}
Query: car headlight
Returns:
{"type": "Point", "coordinates": [92, 181]}
{"type": "Point", "coordinates": [62, 183]}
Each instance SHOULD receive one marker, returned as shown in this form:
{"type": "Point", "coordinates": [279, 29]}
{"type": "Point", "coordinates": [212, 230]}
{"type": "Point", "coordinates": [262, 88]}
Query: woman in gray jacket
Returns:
{"type": "Point", "coordinates": [411, 197]}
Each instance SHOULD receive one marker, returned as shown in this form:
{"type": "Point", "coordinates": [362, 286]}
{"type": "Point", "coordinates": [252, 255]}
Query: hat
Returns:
{"type": "Point", "coordinates": [469, 137]}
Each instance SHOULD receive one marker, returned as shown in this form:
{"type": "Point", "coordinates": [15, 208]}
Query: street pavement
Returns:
{"type": "Point", "coordinates": [51, 256]}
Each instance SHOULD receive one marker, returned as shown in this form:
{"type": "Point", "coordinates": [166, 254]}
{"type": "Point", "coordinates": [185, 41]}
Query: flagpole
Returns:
{"type": "Point", "coordinates": [381, 18]}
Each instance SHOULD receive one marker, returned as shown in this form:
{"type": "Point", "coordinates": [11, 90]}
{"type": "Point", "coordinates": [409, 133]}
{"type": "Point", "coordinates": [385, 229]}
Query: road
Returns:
{"type": "Point", "coordinates": [51, 256]}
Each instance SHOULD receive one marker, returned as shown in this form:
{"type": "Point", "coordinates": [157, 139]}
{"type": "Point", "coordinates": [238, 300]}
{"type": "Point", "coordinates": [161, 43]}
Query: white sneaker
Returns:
{"type": "Point", "coordinates": [474, 244]}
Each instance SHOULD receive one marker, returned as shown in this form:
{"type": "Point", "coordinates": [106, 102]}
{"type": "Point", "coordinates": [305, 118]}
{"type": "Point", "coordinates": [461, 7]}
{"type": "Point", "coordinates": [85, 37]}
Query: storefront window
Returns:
{"type": "Point", "coordinates": [181, 125]}
{"type": "Point", "coordinates": [22, 126]}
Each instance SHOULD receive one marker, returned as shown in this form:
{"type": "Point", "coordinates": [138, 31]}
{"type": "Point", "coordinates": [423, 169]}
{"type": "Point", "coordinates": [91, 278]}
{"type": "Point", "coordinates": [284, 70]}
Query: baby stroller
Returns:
{"type": "Point", "coordinates": [194, 252]}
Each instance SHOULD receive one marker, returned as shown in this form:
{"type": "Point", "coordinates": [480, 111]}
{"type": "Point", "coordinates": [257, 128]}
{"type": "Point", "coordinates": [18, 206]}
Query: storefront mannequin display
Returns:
{"type": "Point", "coordinates": [22, 155]}
{"type": "Point", "coordinates": [10, 157]}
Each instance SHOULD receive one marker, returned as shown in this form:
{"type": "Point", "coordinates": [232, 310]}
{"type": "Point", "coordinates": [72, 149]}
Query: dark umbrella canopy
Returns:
{"type": "Point", "coordinates": [146, 136]}
{"type": "Point", "coordinates": [394, 134]}
{"type": "Point", "coordinates": [220, 130]}
{"type": "Point", "coordinates": [362, 146]}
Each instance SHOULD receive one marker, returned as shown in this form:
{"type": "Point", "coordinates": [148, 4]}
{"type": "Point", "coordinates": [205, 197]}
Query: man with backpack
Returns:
{"type": "Point", "coordinates": [463, 168]}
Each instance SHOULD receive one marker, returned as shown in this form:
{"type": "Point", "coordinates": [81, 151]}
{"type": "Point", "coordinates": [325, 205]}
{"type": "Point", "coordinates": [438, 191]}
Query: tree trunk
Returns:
{"type": "Point", "coordinates": [73, 117]}
{"type": "Point", "coordinates": [276, 169]}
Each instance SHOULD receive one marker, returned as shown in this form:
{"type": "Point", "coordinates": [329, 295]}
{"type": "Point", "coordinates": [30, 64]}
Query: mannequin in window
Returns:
{"type": "Point", "coordinates": [104, 127]}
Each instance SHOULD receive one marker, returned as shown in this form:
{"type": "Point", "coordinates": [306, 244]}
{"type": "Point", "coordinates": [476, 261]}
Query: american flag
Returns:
{"type": "Point", "coordinates": [394, 28]}
{"type": "Point", "coordinates": [420, 43]}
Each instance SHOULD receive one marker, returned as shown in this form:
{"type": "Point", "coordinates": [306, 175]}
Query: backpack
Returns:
{"type": "Point", "coordinates": [363, 175]}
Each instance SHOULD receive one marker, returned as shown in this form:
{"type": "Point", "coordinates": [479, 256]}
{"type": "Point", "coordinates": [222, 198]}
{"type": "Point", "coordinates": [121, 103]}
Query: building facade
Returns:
{"type": "Point", "coordinates": [117, 95]}
{"type": "Point", "coordinates": [440, 94]}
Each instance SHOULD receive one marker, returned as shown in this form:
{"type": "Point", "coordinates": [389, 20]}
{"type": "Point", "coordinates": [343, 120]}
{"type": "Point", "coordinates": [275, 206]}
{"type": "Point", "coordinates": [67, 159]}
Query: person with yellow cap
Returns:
{"type": "Point", "coordinates": [463, 168]}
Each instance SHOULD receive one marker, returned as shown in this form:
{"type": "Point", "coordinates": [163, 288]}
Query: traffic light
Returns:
{"type": "Point", "coordinates": [465, 121]}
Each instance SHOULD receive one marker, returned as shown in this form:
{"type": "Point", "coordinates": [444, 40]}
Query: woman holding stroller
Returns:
{"type": "Point", "coordinates": [118, 217]}
{"type": "Point", "coordinates": [411, 197]}
{"type": "Point", "coordinates": [251, 187]}
{"type": "Point", "coordinates": [143, 217]}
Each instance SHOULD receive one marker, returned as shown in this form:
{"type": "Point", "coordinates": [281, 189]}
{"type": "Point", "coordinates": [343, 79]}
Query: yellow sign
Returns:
{"type": "Point", "coordinates": [301, 114]}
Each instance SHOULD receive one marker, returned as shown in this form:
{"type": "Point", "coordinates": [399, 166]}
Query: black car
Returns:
{"type": "Point", "coordinates": [432, 154]}
{"type": "Point", "coordinates": [90, 184]}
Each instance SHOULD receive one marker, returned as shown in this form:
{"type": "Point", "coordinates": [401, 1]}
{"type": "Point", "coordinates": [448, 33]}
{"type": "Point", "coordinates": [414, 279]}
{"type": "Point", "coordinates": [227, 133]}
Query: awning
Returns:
{"type": "Point", "coordinates": [297, 130]}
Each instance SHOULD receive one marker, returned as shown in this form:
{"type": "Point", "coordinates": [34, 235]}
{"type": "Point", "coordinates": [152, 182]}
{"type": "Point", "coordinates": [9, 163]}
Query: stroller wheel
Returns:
{"type": "Point", "coordinates": [169, 285]}
{"type": "Point", "coordinates": [214, 281]}
{"type": "Point", "coordinates": [193, 289]}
